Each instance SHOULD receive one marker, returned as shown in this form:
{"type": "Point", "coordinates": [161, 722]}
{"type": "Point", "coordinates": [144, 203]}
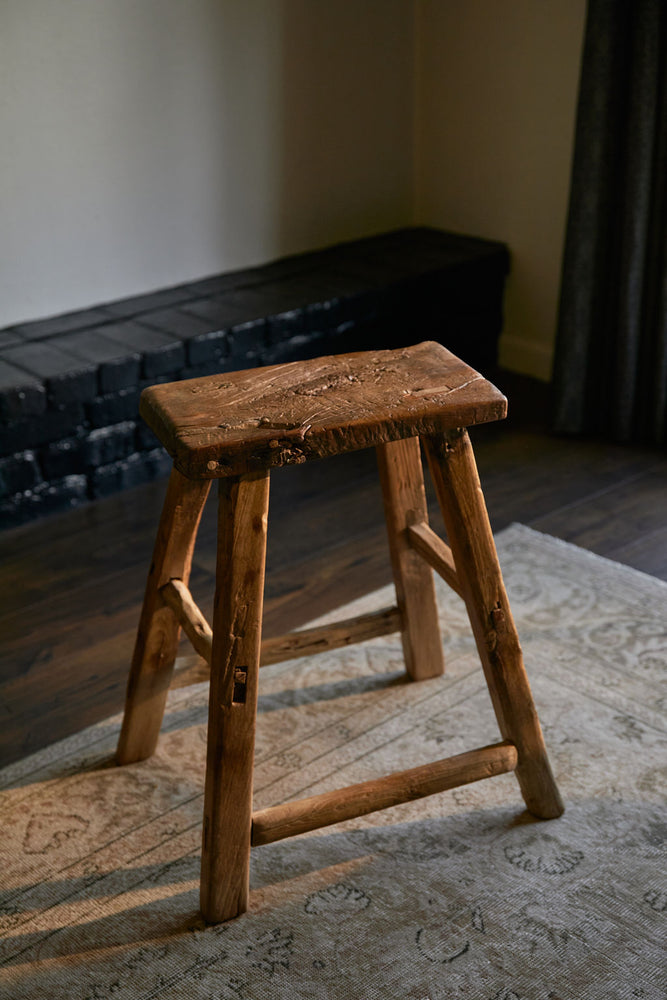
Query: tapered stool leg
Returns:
{"type": "Point", "coordinates": [455, 478]}
{"type": "Point", "coordinates": [402, 480]}
{"type": "Point", "coordinates": [158, 633]}
{"type": "Point", "coordinates": [237, 627]}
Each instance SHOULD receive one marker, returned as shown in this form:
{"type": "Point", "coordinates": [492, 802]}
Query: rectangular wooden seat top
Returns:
{"type": "Point", "coordinates": [240, 422]}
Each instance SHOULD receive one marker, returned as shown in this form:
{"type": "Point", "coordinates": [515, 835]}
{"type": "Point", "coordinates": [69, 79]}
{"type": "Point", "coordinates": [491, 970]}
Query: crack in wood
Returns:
{"type": "Point", "coordinates": [290, 413]}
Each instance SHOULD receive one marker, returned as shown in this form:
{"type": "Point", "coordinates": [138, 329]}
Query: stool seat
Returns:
{"type": "Point", "coordinates": [235, 427]}
{"type": "Point", "coordinates": [238, 422]}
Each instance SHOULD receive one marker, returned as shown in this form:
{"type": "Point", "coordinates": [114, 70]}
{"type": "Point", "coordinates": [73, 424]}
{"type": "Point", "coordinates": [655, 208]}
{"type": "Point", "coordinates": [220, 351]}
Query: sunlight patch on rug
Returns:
{"type": "Point", "coordinates": [458, 895]}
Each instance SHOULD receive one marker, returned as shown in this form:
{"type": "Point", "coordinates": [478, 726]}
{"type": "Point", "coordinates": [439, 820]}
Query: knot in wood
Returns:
{"type": "Point", "coordinates": [498, 626]}
{"type": "Point", "coordinates": [498, 619]}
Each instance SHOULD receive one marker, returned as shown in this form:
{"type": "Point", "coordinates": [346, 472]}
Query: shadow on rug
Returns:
{"type": "Point", "coordinates": [458, 895]}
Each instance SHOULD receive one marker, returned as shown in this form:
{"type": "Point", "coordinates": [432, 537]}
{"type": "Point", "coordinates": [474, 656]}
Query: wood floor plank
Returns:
{"type": "Point", "coordinates": [648, 553]}
{"type": "Point", "coordinates": [72, 670]}
{"type": "Point", "coordinates": [75, 547]}
{"type": "Point", "coordinates": [626, 522]}
{"type": "Point", "coordinates": [527, 474]}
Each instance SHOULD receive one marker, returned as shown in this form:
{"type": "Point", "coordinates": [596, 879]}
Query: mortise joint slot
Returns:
{"type": "Point", "coordinates": [240, 685]}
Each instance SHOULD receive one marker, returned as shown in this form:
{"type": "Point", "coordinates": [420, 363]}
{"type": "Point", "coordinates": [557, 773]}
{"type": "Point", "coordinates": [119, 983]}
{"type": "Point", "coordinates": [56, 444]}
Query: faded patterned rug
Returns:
{"type": "Point", "coordinates": [459, 895]}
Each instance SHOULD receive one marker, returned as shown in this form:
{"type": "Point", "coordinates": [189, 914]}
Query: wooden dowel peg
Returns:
{"type": "Point", "coordinates": [307, 642]}
{"type": "Point", "coordinates": [178, 597]}
{"type": "Point", "coordinates": [310, 641]}
{"type": "Point", "coordinates": [317, 811]}
{"type": "Point", "coordinates": [437, 553]}
{"type": "Point", "coordinates": [159, 629]}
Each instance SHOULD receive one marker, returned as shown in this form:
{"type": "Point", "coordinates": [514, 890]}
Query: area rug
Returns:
{"type": "Point", "coordinates": [458, 895]}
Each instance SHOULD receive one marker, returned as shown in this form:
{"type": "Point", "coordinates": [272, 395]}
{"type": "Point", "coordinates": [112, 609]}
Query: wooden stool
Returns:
{"type": "Point", "coordinates": [235, 427]}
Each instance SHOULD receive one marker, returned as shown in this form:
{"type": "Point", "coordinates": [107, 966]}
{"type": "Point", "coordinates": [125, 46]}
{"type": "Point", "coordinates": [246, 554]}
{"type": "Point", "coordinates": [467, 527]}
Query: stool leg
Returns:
{"type": "Point", "coordinates": [402, 480]}
{"type": "Point", "coordinates": [237, 627]}
{"type": "Point", "coordinates": [158, 633]}
{"type": "Point", "coordinates": [459, 492]}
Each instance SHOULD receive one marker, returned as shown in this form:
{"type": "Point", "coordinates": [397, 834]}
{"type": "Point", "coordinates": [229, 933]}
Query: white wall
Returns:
{"type": "Point", "coordinates": [496, 101]}
{"type": "Point", "coordinates": [149, 142]}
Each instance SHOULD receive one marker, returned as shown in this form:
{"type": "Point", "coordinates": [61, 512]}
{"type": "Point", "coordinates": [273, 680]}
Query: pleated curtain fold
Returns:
{"type": "Point", "coordinates": [610, 371]}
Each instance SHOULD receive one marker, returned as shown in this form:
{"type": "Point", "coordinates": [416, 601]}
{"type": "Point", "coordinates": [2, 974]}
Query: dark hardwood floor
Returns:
{"type": "Point", "coordinates": [71, 585]}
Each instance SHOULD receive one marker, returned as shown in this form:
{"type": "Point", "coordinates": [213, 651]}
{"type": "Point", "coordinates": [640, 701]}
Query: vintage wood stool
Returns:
{"type": "Point", "coordinates": [234, 428]}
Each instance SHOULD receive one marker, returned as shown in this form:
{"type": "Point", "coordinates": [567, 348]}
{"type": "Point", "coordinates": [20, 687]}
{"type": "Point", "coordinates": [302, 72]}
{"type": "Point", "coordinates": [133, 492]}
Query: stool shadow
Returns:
{"type": "Point", "coordinates": [176, 913]}
{"type": "Point", "coordinates": [183, 718]}
{"type": "Point", "coordinates": [293, 697]}
{"type": "Point", "coordinates": [170, 910]}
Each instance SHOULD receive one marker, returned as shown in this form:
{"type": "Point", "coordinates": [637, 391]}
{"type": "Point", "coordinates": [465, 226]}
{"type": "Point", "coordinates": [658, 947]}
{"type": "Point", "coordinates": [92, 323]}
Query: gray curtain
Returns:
{"type": "Point", "coordinates": [610, 374]}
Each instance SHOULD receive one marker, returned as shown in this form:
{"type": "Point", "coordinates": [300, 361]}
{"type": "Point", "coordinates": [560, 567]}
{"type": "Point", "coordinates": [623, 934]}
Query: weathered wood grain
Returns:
{"type": "Point", "coordinates": [402, 480]}
{"type": "Point", "coordinates": [436, 553]}
{"type": "Point", "coordinates": [323, 638]}
{"type": "Point", "coordinates": [67, 631]}
{"type": "Point", "coordinates": [230, 424]}
{"type": "Point", "coordinates": [177, 596]}
{"type": "Point", "coordinates": [457, 485]}
{"type": "Point", "coordinates": [237, 632]}
{"type": "Point", "coordinates": [158, 632]}
{"type": "Point", "coordinates": [291, 818]}
{"type": "Point", "coordinates": [307, 642]}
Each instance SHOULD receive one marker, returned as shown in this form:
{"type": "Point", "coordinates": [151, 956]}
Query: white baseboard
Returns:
{"type": "Point", "coordinates": [525, 357]}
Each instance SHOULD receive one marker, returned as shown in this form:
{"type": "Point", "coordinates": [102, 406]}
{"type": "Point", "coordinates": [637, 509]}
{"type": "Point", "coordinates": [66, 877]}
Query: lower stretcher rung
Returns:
{"type": "Point", "coordinates": [317, 811]}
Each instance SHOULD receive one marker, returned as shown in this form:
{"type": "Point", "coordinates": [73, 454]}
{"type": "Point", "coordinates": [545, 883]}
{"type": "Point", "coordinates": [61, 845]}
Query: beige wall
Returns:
{"type": "Point", "coordinates": [496, 100]}
{"type": "Point", "coordinates": [148, 142]}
